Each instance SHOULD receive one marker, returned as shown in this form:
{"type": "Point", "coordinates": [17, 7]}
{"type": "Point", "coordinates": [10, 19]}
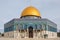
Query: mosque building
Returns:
{"type": "Point", "coordinates": [30, 25]}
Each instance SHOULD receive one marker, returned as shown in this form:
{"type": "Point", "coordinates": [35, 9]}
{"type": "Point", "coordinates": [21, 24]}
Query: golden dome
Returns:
{"type": "Point", "coordinates": [30, 11]}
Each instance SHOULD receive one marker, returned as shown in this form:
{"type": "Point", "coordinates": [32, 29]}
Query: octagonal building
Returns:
{"type": "Point", "coordinates": [30, 25]}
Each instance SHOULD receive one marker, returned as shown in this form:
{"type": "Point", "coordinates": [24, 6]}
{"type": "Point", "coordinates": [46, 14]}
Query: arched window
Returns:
{"type": "Point", "coordinates": [25, 27]}
{"type": "Point", "coordinates": [39, 26]}
{"type": "Point", "coordinates": [35, 26]}
{"type": "Point", "coordinates": [21, 27]}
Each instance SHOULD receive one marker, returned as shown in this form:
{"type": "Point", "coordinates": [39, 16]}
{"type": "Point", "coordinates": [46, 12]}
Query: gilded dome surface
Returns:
{"type": "Point", "coordinates": [30, 11]}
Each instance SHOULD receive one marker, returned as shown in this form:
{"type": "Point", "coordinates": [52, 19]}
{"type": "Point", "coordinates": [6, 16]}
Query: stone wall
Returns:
{"type": "Point", "coordinates": [17, 34]}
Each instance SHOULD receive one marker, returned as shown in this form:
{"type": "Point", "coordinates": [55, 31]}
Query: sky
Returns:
{"type": "Point", "coordinates": [10, 9]}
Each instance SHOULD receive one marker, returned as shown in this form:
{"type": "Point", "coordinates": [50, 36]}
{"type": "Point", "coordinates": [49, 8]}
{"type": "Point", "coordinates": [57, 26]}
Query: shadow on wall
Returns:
{"type": "Point", "coordinates": [58, 34]}
{"type": "Point", "coordinates": [1, 35]}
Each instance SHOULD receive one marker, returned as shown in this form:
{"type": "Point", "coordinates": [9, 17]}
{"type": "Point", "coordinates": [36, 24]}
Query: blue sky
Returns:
{"type": "Point", "coordinates": [10, 9]}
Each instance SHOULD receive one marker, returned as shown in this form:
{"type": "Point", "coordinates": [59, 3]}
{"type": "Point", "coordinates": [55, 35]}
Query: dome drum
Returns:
{"type": "Point", "coordinates": [30, 16]}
